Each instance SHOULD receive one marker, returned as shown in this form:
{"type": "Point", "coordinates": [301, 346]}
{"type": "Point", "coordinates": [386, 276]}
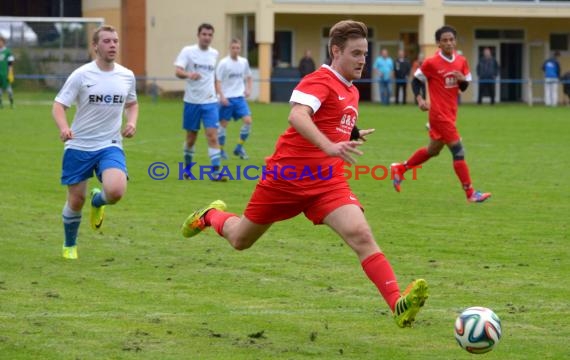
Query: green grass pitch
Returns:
{"type": "Point", "coordinates": [141, 291]}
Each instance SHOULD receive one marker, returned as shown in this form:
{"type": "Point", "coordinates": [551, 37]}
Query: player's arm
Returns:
{"type": "Point", "coordinates": [418, 89]}
{"type": "Point", "coordinates": [220, 93]}
{"type": "Point", "coordinates": [183, 74]}
{"type": "Point", "coordinates": [132, 115]}
{"type": "Point", "coordinates": [248, 86]}
{"type": "Point", "coordinates": [58, 113]}
{"type": "Point", "coordinates": [300, 118]}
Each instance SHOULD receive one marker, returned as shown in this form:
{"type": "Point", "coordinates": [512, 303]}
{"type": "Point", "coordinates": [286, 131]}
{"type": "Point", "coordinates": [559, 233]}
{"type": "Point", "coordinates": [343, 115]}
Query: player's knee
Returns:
{"type": "Point", "coordinates": [242, 244]}
{"type": "Point", "coordinates": [457, 151]}
{"type": "Point", "coordinates": [76, 201]}
{"type": "Point", "coordinates": [114, 195]}
{"type": "Point", "coordinates": [433, 151]}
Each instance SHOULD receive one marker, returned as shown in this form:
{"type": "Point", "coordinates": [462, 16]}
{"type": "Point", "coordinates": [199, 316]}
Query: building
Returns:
{"type": "Point", "coordinates": [522, 34]}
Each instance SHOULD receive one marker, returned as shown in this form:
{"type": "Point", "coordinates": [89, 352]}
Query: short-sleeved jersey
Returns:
{"type": "Point", "coordinates": [334, 101]}
{"type": "Point", "coordinates": [100, 97]}
{"type": "Point", "coordinates": [232, 74]}
{"type": "Point", "coordinates": [6, 57]}
{"type": "Point", "coordinates": [193, 59]}
{"type": "Point", "coordinates": [442, 84]}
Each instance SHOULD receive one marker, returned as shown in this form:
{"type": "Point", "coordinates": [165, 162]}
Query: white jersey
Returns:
{"type": "Point", "coordinates": [194, 59]}
{"type": "Point", "coordinates": [100, 97]}
{"type": "Point", "coordinates": [232, 75]}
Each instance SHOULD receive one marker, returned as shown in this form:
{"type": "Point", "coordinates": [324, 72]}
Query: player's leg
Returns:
{"type": "Point", "coordinates": [190, 123]}
{"type": "Point", "coordinates": [77, 168]}
{"type": "Point", "coordinates": [225, 113]}
{"type": "Point", "coordinates": [210, 116]}
{"type": "Point", "coordinates": [10, 95]}
{"type": "Point", "coordinates": [112, 173]}
{"type": "Point", "coordinates": [71, 216]}
{"type": "Point", "coordinates": [242, 111]}
{"type": "Point", "coordinates": [462, 172]}
{"type": "Point", "coordinates": [349, 222]}
{"type": "Point", "coordinates": [244, 132]}
{"type": "Point", "coordinates": [222, 138]}
{"type": "Point", "coordinates": [420, 156]}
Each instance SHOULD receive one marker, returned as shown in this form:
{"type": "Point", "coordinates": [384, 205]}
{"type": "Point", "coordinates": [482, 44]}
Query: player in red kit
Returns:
{"type": "Point", "coordinates": [446, 73]}
{"type": "Point", "coordinates": [305, 173]}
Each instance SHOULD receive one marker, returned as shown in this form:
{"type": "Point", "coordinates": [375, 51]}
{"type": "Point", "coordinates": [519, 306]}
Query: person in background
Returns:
{"type": "Point", "coordinates": [6, 72]}
{"type": "Point", "coordinates": [384, 67]}
{"type": "Point", "coordinates": [306, 64]}
{"type": "Point", "coordinates": [487, 71]}
{"type": "Point", "coordinates": [402, 69]}
{"type": "Point", "coordinates": [447, 73]}
{"type": "Point", "coordinates": [233, 76]}
{"type": "Point", "coordinates": [197, 65]}
{"type": "Point", "coordinates": [551, 69]}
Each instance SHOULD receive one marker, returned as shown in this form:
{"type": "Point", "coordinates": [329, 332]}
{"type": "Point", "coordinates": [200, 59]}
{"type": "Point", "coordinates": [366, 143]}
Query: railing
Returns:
{"type": "Point", "coordinates": [151, 84]}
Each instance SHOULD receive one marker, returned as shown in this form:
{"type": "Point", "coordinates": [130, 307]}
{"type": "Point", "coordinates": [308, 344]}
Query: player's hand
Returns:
{"type": "Point", "coordinates": [246, 93]}
{"type": "Point", "coordinates": [345, 150]}
{"type": "Point", "coordinates": [224, 101]}
{"type": "Point", "coordinates": [129, 131]}
{"type": "Point", "coordinates": [65, 134]}
{"type": "Point", "coordinates": [194, 76]}
{"type": "Point", "coordinates": [459, 75]}
{"type": "Point", "coordinates": [364, 132]}
{"type": "Point", "coordinates": [423, 105]}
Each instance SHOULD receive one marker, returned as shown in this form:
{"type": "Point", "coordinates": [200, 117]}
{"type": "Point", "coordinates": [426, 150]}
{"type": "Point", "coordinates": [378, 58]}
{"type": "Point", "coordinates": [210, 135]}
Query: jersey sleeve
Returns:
{"type": "Point", "coordinates": [182, 59]}
{"type": "Point", "coordinates": [132, 95]}
{"type": "Point", "coordinates": [311, 92]}
{"type": "Point", "coordinates": [423, 71]}
{"type": "Point", "coordinates": [467, 71]}
{"type": "Point", "coordinates": [70, 89]}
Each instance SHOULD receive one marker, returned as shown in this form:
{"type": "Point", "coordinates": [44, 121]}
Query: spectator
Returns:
{"type": "Point", "coordinates": [402, 69]}
{"type": "Point", "coordinates": [551, 68]}
{"type": "Point", "coordinates": [487, 70]}
{"type": "Point", "coordinates": [384, 67]}
{"type": "Point", "coordinates": [307, 64]}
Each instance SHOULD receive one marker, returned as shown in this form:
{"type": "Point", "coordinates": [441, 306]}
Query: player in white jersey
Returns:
{"type": "Point", "coordinates": [197, 64]}
{"type": "Point", "coordinates": [233, 76]}
{"type": "Point", "coordinates": [102, 90]}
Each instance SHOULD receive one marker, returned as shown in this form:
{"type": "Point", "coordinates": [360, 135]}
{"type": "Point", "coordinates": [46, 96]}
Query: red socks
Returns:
{"type": "Point", "coordinates": [216, 219]}
{"type": "Point", "coordinates": [380, 272]}
{"type": "Point", "coordinates": [462, 171]}
{"type": "Point", "coordinates": [419, 157]}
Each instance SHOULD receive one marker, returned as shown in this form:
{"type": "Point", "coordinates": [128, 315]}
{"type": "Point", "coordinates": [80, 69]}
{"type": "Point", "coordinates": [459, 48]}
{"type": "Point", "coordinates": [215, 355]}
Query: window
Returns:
{"type": "Point", "coordinates": [559, 42]}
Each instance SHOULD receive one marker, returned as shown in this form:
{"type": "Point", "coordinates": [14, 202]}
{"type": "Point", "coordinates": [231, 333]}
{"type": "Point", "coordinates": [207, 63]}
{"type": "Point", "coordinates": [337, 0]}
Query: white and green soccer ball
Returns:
{"type": "Point", "coordinates": [478, 330]}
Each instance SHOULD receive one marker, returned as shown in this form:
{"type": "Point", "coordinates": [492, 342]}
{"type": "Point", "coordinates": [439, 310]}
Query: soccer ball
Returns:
{"type": "Point", "coordinates": [478, 330]}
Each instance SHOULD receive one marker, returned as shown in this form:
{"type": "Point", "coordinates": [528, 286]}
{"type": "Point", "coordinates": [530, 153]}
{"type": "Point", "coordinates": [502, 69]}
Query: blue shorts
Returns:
{"type": "Point", "coordinates": [79, 165]}
{"type": "Point", "coordinates": [237, 109]}
{"type": "Point", "coordinates": [194, 112]}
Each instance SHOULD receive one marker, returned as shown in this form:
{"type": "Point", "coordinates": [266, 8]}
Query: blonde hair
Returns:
{"type": "Point", "coordinates": [97, 31]}
{"type": "Point", "coordinates": [344, 30]}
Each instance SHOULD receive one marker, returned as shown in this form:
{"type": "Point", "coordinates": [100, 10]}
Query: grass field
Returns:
{"type": "Point", "coordinates": [141, 291]}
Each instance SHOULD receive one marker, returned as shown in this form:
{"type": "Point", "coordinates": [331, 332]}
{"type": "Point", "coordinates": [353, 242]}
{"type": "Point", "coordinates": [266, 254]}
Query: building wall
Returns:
{"type": "Point", "coordinates": [173, 24]}
{"type": "Point", "coordinates": [110, 10]}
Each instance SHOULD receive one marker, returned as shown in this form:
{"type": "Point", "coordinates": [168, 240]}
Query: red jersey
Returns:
{"type": "Point", "coordinates": [442, 84]}
{"type": "Point", "coordinates": [334, 101]}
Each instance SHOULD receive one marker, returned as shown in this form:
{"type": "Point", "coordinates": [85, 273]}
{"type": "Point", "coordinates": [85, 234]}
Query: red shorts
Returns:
{"type": "Point", "coordinates": [444, 131]}
{"type": "Point", "coordinates": [274, 201]}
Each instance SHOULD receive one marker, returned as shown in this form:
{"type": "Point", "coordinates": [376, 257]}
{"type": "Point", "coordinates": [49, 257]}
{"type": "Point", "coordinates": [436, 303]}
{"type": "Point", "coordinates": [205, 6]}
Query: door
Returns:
{"type": "Point", "coordinates": [511, 61]}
